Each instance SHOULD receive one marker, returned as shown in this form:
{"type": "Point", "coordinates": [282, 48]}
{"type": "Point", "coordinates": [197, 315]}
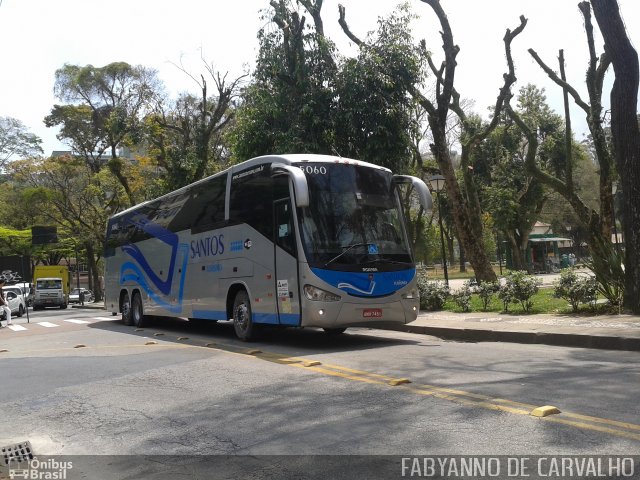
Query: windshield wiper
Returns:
{"type": "Point", "coordinates": [347, 248]}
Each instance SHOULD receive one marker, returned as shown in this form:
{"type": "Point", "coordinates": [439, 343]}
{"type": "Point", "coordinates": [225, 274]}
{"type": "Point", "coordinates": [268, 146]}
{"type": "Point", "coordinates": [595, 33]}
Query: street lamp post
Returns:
{"type": "Point", "coordinates": [437, 184]}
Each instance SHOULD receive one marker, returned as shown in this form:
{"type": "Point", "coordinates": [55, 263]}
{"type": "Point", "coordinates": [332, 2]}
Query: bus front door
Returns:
{"type": "Point", "coordinates": [287, 289]}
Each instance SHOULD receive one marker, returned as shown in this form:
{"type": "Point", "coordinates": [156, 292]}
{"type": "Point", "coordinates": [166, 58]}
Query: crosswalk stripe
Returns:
{"type": "Point", "coordinates": [16, 328]}
{"type": "Point", "coordinates": [48, 324]}
{"type": "Point", "coordinates": [106, 318]}
{"type": "Point", "coordinates": [76, 321]}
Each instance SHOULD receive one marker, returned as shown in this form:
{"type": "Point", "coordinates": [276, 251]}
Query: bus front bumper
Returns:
{"type": "Point", "coordinates": [352, 314]}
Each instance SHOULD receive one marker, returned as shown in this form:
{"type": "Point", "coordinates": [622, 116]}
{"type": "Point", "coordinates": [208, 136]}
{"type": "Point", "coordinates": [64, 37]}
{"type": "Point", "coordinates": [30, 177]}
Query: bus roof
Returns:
{"type": "Point", "coordinates": [287, 159]}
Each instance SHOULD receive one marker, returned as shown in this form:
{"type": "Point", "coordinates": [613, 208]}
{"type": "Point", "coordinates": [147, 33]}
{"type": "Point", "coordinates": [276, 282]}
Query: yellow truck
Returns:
{"type": "Point", "coordinates": [51, 284]}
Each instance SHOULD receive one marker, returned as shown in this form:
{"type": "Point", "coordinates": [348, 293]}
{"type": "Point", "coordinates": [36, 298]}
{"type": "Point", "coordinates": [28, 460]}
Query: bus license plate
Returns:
{"type": "Point", "coordinates": [372, 313]}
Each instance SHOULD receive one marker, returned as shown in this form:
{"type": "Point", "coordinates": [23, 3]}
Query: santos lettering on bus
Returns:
{"type": "Point", "coordinates": [207, 246]}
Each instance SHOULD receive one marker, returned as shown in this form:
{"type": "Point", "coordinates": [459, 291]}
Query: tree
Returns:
{"type": "Point", "coordinates": [16, 141]}
{"type": "Point", "coordinates": [71, 197]}
{"type": "Point", "coordinates": [606, 262]}
{"type": "Point", "coordinates": [374, 115]}
{"type": "Point", "coordinates": [465, 203]}
{"type": "Point", "coordinates": [302, 99]}
{"type": "Point", "coordinates": [513, 196]}
{"type": "Point", "coordinates": [107, 107]}
{"type": "Point", "coordinates": [287, 106]}
{"type": "Point", "coordinates": [187, 136]}
{"type": "Point", "coordinates": [626, 136]}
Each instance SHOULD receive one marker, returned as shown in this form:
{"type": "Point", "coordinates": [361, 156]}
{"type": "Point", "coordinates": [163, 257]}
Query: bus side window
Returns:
{"type": "Point", "coordinates": [251, 200]}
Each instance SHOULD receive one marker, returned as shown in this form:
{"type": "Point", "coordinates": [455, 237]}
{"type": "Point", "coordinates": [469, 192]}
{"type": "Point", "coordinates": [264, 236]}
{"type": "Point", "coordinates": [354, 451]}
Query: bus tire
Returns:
{"type": "Point", "coordinates": [334, 331]}
{"type": "Point", "coordinates": [242, 321]}
{"type": "Point", "coordinates": [126, 309]}
{"type": "Point", "coordinates": [137, 313]}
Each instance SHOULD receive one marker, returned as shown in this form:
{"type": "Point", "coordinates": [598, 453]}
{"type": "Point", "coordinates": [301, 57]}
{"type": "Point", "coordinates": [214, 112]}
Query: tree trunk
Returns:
{"type": "Point", "coordinates": [518, 259]}
{"type": "Point", "coordinates": [93, 270]}
{"type": "Point", "coordinates": [626, 137]}
{"type": "Point", "coordinates": [471, 242]}
{"type": "Point", "coordinates": [463, 260]}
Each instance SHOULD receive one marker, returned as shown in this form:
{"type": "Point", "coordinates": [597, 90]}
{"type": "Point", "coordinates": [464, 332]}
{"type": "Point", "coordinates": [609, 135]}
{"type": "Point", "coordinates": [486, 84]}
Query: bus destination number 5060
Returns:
{"type": "Point", "coordinates": [313, 169]}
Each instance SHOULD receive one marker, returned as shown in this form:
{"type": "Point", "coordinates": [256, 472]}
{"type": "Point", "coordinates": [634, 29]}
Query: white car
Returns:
{"type": "Point", "coordinates": [15, 300]}
{"type": "Point", "coordinates": [74, 296]}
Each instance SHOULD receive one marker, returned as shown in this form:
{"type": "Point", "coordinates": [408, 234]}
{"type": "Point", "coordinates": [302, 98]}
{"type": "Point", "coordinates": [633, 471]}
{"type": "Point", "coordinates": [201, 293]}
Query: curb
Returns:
{"type": "Point", "coordinates": [557, 339]}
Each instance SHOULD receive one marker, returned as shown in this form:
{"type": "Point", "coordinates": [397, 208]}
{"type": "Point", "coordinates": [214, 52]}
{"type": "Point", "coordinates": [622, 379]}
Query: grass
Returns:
{"type": "Point", "coordinates": [543, 303]}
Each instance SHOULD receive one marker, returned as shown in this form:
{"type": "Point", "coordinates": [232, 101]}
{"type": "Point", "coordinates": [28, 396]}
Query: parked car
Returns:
{"type": "Point", "coordinates": [74, 296]}
{"type": "Point", "coordinates": [27, 291]}
{"type": "Point", "coordinates": [15, 300]}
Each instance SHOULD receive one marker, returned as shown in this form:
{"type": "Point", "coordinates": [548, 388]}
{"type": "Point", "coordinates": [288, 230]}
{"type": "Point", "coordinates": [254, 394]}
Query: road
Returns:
{"type": "Point", "coordinates": [173, 388]}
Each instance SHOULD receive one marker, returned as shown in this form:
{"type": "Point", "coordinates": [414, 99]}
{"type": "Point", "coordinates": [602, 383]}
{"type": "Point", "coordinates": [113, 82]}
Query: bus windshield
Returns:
{"type": "Point", "coordinates": [354, 219]}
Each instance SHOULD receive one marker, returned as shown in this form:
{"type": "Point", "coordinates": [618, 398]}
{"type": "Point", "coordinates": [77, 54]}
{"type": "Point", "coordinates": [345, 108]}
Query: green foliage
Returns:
{"type": "Point", "coordinates": [518, 287]}
{"type": "Point", "coordinates": [105, 110]}
{"type": "Point", "coordinates": [433, 295]}
{"type": "Point", "coordinates": [606, 264]}
{"type": "Point", "coordinates": [16, 141]}
{"type": "Point", "coordinates": [287, 106]}
{"type": "Point", "coordinates": [373, 118]}
{"type": "Point", "coordinates": [576, 289]}
{"type": "Point", "coordinates": [462, 296]}
{"type": "Point", "coordinates": [301, 99]}
{"type": "Point", "coordinates": [486, 291]}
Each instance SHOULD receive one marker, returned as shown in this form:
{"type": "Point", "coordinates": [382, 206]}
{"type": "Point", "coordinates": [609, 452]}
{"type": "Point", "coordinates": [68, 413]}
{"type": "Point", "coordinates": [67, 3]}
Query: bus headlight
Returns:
{"type": "Point", "coordinates": [319, 295]}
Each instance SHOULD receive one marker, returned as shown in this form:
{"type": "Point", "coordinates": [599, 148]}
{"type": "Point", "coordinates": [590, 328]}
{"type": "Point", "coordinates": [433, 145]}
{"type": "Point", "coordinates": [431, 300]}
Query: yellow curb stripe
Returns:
{"type": "Point", "coordinates": [334, 373]}
{"type": "Point", "coordinates": [598, 428]}
{"type": "Point", "coordinates": [615, 423]}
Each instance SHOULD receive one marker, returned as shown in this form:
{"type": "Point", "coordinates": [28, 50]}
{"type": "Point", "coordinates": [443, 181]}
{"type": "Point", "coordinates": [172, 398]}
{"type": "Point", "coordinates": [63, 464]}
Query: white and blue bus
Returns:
{"type": "Point", "coordinates": [290, 240]}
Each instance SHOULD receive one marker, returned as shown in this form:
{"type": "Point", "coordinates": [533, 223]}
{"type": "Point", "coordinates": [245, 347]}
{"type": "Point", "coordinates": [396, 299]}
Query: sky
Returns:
{"type": "Point", "coordinates": [40, 36]}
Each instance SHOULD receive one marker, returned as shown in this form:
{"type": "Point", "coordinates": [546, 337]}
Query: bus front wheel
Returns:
{"type": "Point", "coordinates": [242, 321]}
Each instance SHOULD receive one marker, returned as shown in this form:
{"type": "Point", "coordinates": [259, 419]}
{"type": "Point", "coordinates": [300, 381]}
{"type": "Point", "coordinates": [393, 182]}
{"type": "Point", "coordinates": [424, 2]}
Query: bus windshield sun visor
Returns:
{"type": "Point", "coordinates": [420, 187]}
{"type": "Point", "coordinates": [299, 181]}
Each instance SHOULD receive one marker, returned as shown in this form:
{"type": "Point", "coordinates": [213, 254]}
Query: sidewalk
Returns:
{"type": "Point", "coordinates": [612, 332]}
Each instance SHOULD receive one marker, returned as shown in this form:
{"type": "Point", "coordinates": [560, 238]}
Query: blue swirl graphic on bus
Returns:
{"type": "Point", "coordinates": [140, 271]}
{"type": "Point", "coordinates": [367, 284]}
{"type": "Point", "coordinates": [345, 286]}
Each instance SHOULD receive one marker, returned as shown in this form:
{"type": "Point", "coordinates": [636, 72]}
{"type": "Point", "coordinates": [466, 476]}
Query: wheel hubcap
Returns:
{"type": "Point", "coordinates": [242, 317]}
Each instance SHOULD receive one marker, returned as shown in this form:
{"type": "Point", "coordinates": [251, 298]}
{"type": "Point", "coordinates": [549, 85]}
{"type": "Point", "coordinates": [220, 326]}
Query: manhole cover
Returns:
{"type": "Point", "coordinates": [12, 454]}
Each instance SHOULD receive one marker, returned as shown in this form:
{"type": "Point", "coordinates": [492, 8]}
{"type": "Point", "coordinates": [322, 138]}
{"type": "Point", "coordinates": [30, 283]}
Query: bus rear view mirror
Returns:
{"type": "Point", "coordinates": [420, 188]}
{"type": "Point", "coordinates": [298, 179]}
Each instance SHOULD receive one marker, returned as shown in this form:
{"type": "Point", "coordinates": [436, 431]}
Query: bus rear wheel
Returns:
{"type": "Point", "coordinates": [137, 314]}
{"type": "Point", "coordinates": [126, 309]}
{"type": "Point", "coordinates": [242, 319]}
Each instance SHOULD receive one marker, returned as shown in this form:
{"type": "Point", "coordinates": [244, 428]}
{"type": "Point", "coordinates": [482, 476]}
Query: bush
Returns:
{"type": "Point", "coordinates": [486, 291]}
{"type": "Point", "coordinates": [462, 297]}
{"type": "Point", "coordinates": [576, 289]}
{"type": "Point", "coordinates": [519, 287]}
{"type": "Point", "coordinates": [433, 295]}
